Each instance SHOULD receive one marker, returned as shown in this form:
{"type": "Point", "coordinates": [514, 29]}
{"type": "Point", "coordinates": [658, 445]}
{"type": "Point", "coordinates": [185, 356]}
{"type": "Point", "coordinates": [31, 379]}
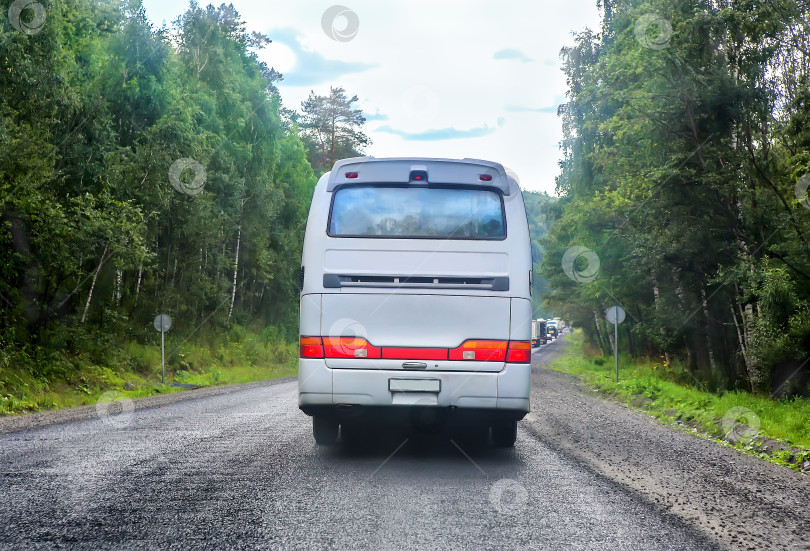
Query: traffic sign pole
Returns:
{"type": "Point", "coordinates": [615, 348]}
{"type": "Point", "coordinates": [162, 323]}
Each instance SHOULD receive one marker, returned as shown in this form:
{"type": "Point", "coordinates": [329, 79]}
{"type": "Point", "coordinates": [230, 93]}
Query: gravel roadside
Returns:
{"type": "Point", "coordinates": [13, 423]}
{"type": "Point", "coordinates": [738, 500]}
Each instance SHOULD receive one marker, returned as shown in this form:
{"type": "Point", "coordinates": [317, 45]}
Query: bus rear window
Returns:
{"type": "Point", "coordinates": [417, 213]}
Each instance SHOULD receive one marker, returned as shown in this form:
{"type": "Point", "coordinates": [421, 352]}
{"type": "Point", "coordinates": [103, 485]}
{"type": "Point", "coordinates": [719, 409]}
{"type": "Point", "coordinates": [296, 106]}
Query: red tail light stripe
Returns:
{"type": "Point", "coordinates": [395, 353]}
{"type": "Point", "coordinates": [471, 350]}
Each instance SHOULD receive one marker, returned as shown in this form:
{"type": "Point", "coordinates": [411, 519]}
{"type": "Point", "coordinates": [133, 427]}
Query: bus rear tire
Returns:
{"type": "Point", "coordinates": [325, 430]}
{"type": "Point", "coordinates": [504, 434]}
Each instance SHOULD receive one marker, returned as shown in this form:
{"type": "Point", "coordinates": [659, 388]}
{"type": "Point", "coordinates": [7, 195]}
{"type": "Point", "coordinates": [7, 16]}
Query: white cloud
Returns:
{"type": "Point", "coordinates": [427, 69]}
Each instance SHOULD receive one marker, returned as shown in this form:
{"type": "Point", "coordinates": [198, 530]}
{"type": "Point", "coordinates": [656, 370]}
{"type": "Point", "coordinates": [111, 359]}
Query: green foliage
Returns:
{"type": "Point", "coordinates": [679, 173]}
{"type": "Point", "coordinates": [45, 380]}
{"type": "Point", "coordinates": [331, 128]}
{"type": "Point", "coordinates": [690, 403]}
{"type": "Point", "coordinates": [95, 239]}
{"type": "Point", "coordinates": [538, 206]}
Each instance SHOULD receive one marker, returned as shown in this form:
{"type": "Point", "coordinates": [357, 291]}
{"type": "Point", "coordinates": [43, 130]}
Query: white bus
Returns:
{"type": "Point", "coordinates": [416, 297]}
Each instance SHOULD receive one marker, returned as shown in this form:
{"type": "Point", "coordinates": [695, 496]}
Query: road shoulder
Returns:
{"type": "Point", "coordinates": [736, 499]}
{"type": "Point", "coordinates": [14, 423]}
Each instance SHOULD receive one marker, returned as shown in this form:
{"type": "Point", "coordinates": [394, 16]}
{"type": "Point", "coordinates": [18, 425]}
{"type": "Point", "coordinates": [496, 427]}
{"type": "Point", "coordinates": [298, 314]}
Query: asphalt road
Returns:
{"type": "Point", "coordinates": [241, 470]}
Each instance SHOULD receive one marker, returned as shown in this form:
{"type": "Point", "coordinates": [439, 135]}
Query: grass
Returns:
{"type": "Point", "coordinates": [134, 370]}
{"type": "Point", "coordinates": [783, 435]}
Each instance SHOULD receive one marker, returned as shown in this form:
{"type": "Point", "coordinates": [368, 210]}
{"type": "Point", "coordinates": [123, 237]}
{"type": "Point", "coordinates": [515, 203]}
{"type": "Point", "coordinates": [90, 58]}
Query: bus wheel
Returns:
{"type": "Point", "coordinates": [324, 430]}
{"type": "Point", "coordinates": [504, 434]}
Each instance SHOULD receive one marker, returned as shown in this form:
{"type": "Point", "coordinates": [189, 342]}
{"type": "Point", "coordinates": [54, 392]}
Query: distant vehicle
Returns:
{"type": "Point", "coordinates": [551, 327]}
{"type": "Point", "coordinates": [416, 297]}
{"type": "Point", "coordinates": [539, 332]}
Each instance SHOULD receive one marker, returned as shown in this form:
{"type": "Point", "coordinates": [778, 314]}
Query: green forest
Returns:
{"type": "Point", "coordinates": [683, 189]}
{"type": "Point", "coordinates": [538, 212]}
{"type": "Point", "coordinates": [149, 170]}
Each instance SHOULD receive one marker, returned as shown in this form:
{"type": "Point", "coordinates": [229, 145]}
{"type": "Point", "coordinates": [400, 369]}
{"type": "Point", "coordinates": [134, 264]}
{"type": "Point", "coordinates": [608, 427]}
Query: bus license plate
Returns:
{"type": "Point", "coordinates": [414, 385]}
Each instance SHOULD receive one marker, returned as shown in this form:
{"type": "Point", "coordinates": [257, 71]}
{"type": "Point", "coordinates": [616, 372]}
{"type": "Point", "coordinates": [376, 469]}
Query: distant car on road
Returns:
{"type": "Point", "coordinates": [416, 297]}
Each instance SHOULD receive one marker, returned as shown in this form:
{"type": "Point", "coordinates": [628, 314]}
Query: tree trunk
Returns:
{"type": "Point", "coordinates": [600, 338]}
{"type": "Point", "coordinates": [709, 347]}
{"type": "Point", "coordinates": [93, 284]}
{"type": "Point", "coordinates": [119, 276]}
{"type": "Point", "coordinates": [753, 363]}
{"type": "Point", "coordinates": [168, 261]}
{"type": "Point", "coordinates": [174, 270]}
{"type": "Point", "coordinates": [138, 283]}
{"type": "Point", "coordinates": [656, 296]}
{"type": "Point", "coordinates": [235, 269]}
{"type": "Point", "coordinates": [743, 348]}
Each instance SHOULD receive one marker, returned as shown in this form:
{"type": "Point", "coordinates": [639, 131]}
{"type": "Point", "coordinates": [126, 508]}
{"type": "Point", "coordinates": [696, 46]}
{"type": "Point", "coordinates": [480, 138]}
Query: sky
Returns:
{"type": "Point", "coordinates": [435, 78]}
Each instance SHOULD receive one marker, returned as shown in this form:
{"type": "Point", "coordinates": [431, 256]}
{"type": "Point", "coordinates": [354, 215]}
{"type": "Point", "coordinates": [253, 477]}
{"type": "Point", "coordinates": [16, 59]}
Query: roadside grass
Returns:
{"type": "Point", "coordinates": [783, 435]}
{"type": "Point", "coordinates": [134, 370]}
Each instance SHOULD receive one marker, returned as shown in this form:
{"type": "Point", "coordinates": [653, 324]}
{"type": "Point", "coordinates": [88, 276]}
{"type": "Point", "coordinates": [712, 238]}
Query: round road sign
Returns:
{"type": "Point", "coordinates": [163, 323]}
{"type": "Point", "coordinates": [615, 314]}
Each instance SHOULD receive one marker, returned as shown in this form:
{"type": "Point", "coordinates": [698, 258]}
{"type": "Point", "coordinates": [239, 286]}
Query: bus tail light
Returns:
{"type": "Point", "coordinates": [471, 350]}
{"type": "Point", "coordinates": [310, 347]}
{"type": "Point", "coordinates": [519, 352]}
{"type": "Point", "coordinates": [349, 347]}
{"type": "Point", "coordinates": [481, 351]}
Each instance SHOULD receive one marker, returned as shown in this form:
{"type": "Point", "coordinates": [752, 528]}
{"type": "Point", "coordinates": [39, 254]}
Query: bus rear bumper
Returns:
{"type": "Point", "coordinates": [321, 388]}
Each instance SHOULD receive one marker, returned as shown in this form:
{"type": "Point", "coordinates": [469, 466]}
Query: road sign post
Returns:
{"type": "Point", "coordinates": [162, 323]}
{"type": "Point", "coordinates": [615, 315]}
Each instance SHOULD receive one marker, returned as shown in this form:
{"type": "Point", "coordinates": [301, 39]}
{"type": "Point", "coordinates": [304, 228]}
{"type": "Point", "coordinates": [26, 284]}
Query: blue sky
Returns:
{"type": "Point", "coordinates": [452, 78]}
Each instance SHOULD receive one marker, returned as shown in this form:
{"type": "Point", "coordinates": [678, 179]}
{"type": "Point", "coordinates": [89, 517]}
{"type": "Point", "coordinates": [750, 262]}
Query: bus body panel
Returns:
{"type": "Point", "coordinates": [415, 297]}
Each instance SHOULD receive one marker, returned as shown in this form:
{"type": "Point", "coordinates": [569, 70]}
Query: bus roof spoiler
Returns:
{"type": "Point", "coordinates": [396, 170]}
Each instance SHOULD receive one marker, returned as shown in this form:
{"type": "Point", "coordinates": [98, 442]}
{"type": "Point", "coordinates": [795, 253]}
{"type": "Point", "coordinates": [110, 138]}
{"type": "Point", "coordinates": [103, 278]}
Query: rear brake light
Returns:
{"type": "Point", "coordinates": [419, 175]}
{"type": "Point", "coordinates": [352, 175]}
{"type": "Point", "coordinates": [482, 351]}
{"type": "Point", "coordinates": [472, 350]}
{"type": "Point", "coordinates": [486, 177]}
{"type": "Point", "coordinates": [310, 347]}
{"type": "Point", "coordinates": [349, 347]}
{"type": "Point", "coordinates": [519, 352]}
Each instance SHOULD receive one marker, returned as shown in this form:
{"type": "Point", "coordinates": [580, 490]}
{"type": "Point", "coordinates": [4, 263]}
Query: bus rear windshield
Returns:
{"type": "Point", "coordinates": [417, 213]}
